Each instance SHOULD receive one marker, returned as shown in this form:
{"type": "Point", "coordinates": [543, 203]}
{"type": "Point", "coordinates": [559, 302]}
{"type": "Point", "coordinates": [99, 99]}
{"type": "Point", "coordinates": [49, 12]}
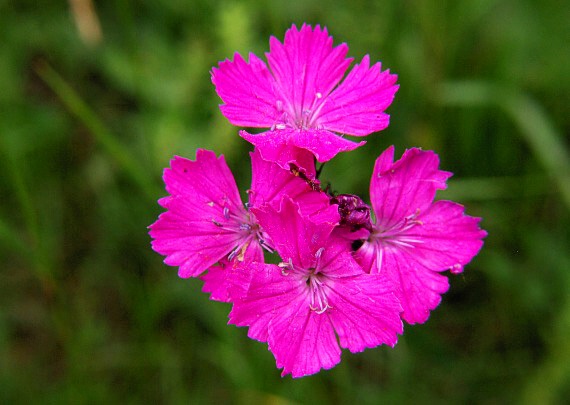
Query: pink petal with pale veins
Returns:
{"type": "Point", "coordinates": [204, 212]}
{"type": "Point", "coordinates": [404, 188]}
{"type": "Point", "coordinates": [208, 178]}
{"type": "Point", "coordinates": [323, 144]}
{"type": "Point", "coordinates": [448, 239]}
{"type": "Point", "coordinates": [276, 309]}
{"type": "Point", "coordinates": [336, 260]}
{"type": "Point", "coordinates": [365, 312]}
{"type": "Point", "coordinates": [186, 235]}
{"type": "Point", "coordinates": [282, 146]}
{"type": "Point", "coordinates": [306, 68]}
{"type": "Point", "coordinates": [363, 309]}
{"type": "Point", "coordinates": [413, 238]}
{"type": "Point", "coordinates": [294, 236]}
{"type": "Point", "coordinates": [274, 146]}
{"type": "Point", "coordinates": [302, 341]}
{"type": "Point", "coordinates": [356, 106]}
{"type": "Point", "coordinates": [258, 292]}
{"type": "Point", "coordinates": [270, 183]}
{"type": "Point", "coordinates": [248, 92]}
{"type": "Point", "coordinates": [216, 283]}
{"type": "Point", "coordinates": [218, 279]}
{"type": "Point", "coordinates": [417, 288]}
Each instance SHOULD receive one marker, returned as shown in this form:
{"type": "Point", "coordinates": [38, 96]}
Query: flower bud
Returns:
{"type": "Point", "coordinates": [354, 213]}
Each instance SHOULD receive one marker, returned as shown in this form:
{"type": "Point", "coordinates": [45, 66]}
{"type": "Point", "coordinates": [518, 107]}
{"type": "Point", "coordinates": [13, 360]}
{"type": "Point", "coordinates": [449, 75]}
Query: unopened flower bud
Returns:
{"type": "Point", "coordinates": [354, 213]}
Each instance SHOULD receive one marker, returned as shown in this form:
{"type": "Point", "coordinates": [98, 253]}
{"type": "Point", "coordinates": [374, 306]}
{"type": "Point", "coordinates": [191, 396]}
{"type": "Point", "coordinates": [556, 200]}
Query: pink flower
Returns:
{"type": "Point", "coordinates": [300, 96]}
{"type": "Point", "coordinates": [317, 293]}
{"type": "Point", "coordinates": [206, 222]}
{"type": "Point", "coordinates": [414, 238]}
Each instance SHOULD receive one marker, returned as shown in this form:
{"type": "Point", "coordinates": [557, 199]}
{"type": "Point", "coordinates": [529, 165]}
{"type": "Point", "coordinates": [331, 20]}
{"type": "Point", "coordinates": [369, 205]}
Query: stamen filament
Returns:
{"type": "Point", "coordinates": [318, 298]}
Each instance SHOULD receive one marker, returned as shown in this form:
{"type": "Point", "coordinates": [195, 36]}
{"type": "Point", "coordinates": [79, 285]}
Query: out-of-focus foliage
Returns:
{"type": "Point", "coordinates": [93, 106]}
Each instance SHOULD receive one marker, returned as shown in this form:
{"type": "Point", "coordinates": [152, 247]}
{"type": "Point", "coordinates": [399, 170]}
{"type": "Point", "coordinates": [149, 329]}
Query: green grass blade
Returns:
{"type": "Point", "coordinates": [533, 123]}
{"type": "Point", "coordinates": [108, 141]}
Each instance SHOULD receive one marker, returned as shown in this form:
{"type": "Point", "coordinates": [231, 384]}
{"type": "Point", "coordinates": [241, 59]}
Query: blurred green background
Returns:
{"type": "Point", "coordinates": [97, 97]}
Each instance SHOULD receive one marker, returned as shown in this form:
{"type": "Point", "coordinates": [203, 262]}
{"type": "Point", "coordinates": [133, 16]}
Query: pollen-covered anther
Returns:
{"type": "Point", "coordinates": [319, 252]}
{"type": "Point", "coordinates": [411, 219]}
{"type": "Point", "coordinates": [284, 266]}
{"type": "Point", "coordinates": [239, 251]}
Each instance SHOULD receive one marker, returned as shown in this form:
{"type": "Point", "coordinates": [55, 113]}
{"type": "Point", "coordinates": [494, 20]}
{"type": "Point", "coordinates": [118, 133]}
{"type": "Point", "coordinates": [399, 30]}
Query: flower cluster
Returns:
{"type": "Point", "coordinates": [348, 273]}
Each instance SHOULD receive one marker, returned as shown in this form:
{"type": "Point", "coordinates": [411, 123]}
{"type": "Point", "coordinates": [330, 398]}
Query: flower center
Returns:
{"type": "Point", "coordinates": [299, 117]}
{"type": "Point", "coordinates": [396, 234]}
{"type": "Point", "coordinates": [314, 280]}
{"type": "Point", "coordinates": [246, 231]}
{"type": "Point", "coordinates": [317, 297]}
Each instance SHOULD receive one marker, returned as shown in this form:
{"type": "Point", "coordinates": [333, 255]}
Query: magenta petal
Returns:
{"type": "Point", "coordinates": [302, 341]}
{"type": "Point", "coordinates": [270, 183]}
{"type": "Point", "coordinates": [448, 239]}
{"type": "Point", "coordinates": [207, 178]}
{"type": "Point", "coordinates": [248, 92]}
{"type": "Point", "coordinates": [336, 259]}
{"type": "Point", "coordinates": [216, 283]}
{"type": "Point", "coordinates": [413, 238]}
{"type": "Point", "coordinates": [323, 144]}
{"type": "Point", "coordinates": [275, 146]}
{"type": "Point", "coordinates": [406, 187]}
{"type": "Point", "coordinates": [276, 309]}
{"type": "Point", "coordinates": [258, 292]}
{"type": "Point", "coordinates": [282, 146]}
{"type": "Point", "coordinates": [218, 279]}
{"type": "Point", "coordinates": [417, 288]}
{"type": "Point", "coordinates": [204, 212]}
{"type": "Point", "coordinates": [306, 67]}
{"type": "Point", "coordinates": [187, 237]}
{"type": "Point", "coordinates": [364, 311]}
{"type": "Point", "coordinates": [356, 106]}
{"type": "Point", "coordinates": [295, 237]}
{"type": "Point", "coordinates": [420, 288]}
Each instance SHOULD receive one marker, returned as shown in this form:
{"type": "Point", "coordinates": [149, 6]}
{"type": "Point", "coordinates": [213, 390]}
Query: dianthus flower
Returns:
{"type": "Point", "coordinates": [349, 272]}
{"type": "Point", "coordinates": [414, 239]}
{"type": "Point", "coordinates": [301, 98]}
{"type": "Point", "coordinates": [316, 294]}
{"type": "Point", "coordinates": [206, 222]}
